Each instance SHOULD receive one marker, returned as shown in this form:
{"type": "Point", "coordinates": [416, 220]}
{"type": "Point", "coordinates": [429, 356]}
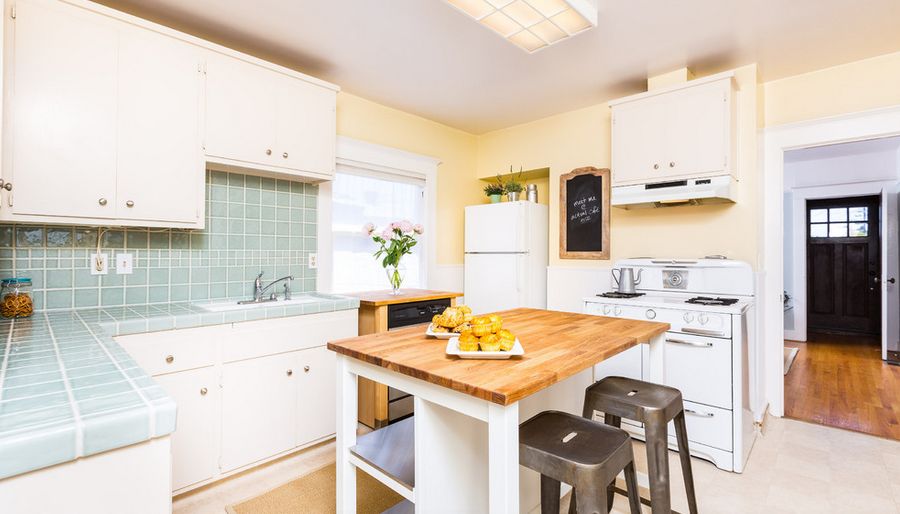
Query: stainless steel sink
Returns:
{"type": "Point", "coordinates": [231, 305]}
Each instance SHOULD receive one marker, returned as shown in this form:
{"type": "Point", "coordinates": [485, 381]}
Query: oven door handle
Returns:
{"type": "Point", "coordinates": [698, 413]}
{"type": "Point", "coordinates": [703, 331]}
{"type": "Point", "coordinates": [689, 343]}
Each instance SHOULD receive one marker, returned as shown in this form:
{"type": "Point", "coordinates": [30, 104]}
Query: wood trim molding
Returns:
{"type": "Point", "coordinates": [604, 212]}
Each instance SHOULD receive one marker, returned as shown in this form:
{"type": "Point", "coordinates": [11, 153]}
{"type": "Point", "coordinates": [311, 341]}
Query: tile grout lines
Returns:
{"type": "Point", "coordinates": [5, 363]}
{"type": "Point", "coordinates": [79, 424]}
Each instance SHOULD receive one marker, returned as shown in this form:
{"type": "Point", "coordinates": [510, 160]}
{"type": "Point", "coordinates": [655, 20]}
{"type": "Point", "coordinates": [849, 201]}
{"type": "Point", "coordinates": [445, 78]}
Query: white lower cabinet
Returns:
{"type": "Point", "coordinates": [196, 393]}
{"type": "Point", "coordinates": [259, 396]}
{"type": "Point", "coordinates": [237, 409]}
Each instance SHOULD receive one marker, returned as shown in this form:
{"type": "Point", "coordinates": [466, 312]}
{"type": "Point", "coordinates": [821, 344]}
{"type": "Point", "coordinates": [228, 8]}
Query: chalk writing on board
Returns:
{"type": "Point", "coordinates": [585, 210]}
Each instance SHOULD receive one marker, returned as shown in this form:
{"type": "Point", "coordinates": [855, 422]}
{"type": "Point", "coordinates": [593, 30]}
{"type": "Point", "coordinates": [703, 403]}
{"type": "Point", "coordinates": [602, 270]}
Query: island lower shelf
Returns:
{"type": "Point", "coordinates": [390, 451]}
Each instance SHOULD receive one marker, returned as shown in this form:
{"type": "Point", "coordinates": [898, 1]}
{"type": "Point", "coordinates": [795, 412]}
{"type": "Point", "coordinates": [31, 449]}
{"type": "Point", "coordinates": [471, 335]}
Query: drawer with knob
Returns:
{"type": "Point", "coordinates": [175, 350]}
{"type": "Point", "coordinates": [706, 425]}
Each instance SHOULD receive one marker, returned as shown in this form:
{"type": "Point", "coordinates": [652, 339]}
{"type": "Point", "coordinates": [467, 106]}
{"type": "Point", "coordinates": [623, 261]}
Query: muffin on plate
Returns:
{"type": "Point", "coordinates": [481, 326]}
{"type": "Point", "coordinates": [496, 323]}
{"type": "Point", "coordinates": [507, 340]}
{"type": "Point", "coordinates": [468, 342]}
{"type": "Point", "coordinates": [489, 343]}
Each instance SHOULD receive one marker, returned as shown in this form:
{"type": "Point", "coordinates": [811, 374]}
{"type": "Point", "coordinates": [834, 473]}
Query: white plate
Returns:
{"type": "Point", "coordinates": [439, 335]}
{"type": "Point", "coordinates": [453, 349]}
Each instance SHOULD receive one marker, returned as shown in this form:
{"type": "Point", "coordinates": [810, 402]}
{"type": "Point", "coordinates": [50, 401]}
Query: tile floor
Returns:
{"type": "Point", "coordinates": [794, 467]}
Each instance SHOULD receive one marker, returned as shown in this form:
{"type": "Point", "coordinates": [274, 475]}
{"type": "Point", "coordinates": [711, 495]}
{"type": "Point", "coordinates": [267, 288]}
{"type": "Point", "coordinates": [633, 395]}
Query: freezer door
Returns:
{"type": "Point", "coordinates": [497, 227]}
{"type": "Point", "coordinates": [495, 282]}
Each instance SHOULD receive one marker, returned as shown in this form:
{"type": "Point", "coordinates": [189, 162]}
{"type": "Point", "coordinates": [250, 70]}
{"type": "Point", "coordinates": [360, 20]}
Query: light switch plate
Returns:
{"type": "Point", "coordinates": [99, 263]}
{"type": "Point", "coordinates": [124, 264]}
{"type": "Point", "coordinates": [313, 261]}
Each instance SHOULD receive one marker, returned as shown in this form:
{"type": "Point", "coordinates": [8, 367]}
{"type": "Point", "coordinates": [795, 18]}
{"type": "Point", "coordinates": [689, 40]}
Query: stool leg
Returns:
{"type": "Point", "coordinates": [634, 494]}
{"type": "Point", "coordinates": [658, 463]}
{"type": "Point", "coordinates": [685, 454]}
{"type": "Point", "coordinates": [549, 495]}
{"type": "Point", "coordinates": [613, 421]}
{"type": "Point", "coordinates": [588, 503]}
{"type": "Point", "coordinates": [573, 501]}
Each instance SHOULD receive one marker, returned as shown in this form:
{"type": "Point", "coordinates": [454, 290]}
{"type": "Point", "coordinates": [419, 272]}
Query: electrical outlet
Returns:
{"type": "Point", "coordinates": [99, 264]}
{"type": "Point", "coordinates": [124, 264]}
{"type": "Point", "coordinates": [313, 261]}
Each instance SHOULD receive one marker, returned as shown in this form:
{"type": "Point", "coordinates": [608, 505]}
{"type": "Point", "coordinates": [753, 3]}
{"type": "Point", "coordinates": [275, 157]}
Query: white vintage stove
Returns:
{"type": "Point", "coordinates": [710, 353]}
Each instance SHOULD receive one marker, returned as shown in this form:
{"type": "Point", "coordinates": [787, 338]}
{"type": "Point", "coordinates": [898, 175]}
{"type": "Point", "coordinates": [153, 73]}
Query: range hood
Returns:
{"type": "Point", "coordinates": [695, 191]}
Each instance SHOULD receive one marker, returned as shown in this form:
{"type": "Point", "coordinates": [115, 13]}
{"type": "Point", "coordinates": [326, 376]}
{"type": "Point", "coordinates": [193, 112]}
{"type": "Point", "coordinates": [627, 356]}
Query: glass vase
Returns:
{"type": "Point", "coordinates": [395, 275]}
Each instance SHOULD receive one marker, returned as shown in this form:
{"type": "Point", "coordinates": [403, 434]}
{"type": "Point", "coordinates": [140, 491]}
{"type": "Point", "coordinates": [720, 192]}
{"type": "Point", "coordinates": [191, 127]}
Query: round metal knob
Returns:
{"type": "Point", "coordinates": [656, 166]}
{"type": "Point", "coordinates": [129, 203]}
{"type": "Point", "coordinates": [285, 154]}
{"type": "Point", "coordinates": [203, 391]}
{"type": "Point", "coordinates": [170, 359]}
{"type": "Point", "coordinates": [268, 151]}
{"type": "Point", "coordinates": [617, 311]}
{"type": "Point", "coordinates": [672, 164]}
{"type": "Point", "coordinates": [5, 185]}
{"type": "Point", "coordinates": [892, 280]}
{"type": "Point", "coordinates": [290, 372]}
{"type": "Point", "coordinates": [306, 369]}
{"type": "Point", "coordinates": [703, 318]}
{"type": "Point", "coordinates": [651, 314]}
{"type": "Point", "coordinates": [102, 201]}
{"type": "Point", "coordinates": [688, 317]}
{"type": "Point", "coordinates": [606, 309]}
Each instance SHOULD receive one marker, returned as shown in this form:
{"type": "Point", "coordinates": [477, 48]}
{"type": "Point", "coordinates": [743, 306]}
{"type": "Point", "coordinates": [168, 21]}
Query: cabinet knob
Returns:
{"type": "Point", "coordinates": [203, 391]}
{"type": "Point", "coordinates": [129, 203]}
{"type": "Point", "coordinates": [290, 372]}
{"type": "Point", "coordinates": [102, 201]}
{"type": "Point", "coordinates": [656, 166]}
{"type": "Point", "coordinates": [170, 359]}
{"type": "Point", "coordinates": [672, 164]}
{"type": "Point", "coordinates": [268, 151]}
{"type": "Point", "coordinates": [5, 185]}
{"type": "Point", "coordinates": [306, 369]}
{"type": "Point", "coordinates": [285, 154]}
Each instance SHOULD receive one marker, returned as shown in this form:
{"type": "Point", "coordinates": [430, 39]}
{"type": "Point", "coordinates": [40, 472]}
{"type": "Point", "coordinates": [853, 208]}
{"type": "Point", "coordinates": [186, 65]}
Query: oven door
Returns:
{"type": "Point", "coordinates": [700, 367]}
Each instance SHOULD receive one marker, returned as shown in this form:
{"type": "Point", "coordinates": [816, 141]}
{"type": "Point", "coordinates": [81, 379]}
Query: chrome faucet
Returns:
{"type": "Point", "coordinates": [259, 290]}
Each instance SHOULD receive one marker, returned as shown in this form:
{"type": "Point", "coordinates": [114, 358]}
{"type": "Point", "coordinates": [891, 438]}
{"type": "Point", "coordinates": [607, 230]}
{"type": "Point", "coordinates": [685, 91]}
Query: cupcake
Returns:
{"type": "Point", "coordinates": [489, 343]}
{"type": "Point", "coordinates": [496, 323]}
{"type": "Point", "coordinates": [507, 340]}
{"type": "Point", "coordinates": [481, 326]}
{"type": "Point", "coordinates": [468, 342]}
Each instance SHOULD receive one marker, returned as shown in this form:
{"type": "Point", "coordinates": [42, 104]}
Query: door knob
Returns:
{"type": "Point", "coordinates": [290, 372]}
{"type": "Point", "coordinates": [285, 154]}
{"type": "Point", "coordinates": [656, 166]}
{"type": "Point", "coordinates": [203, 391]}
{"type": "Point", "coordinates": [672, 164]}
{"type": "Point", "coordinates": [268, 151]}
{"type": "Point", "coordinates": [170, 359]}
{"type": "Point", "coordinates": [129, 203]}
{"type": "Point", "coordinates": [102, 201]}
{"type": "Point", "coordinates": [306, 369]}
{"type": "Point", "coordinates": [892, 280]}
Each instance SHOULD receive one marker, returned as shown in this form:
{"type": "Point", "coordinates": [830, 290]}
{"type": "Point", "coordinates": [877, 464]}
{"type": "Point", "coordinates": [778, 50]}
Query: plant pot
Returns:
{"type": "Point", "coordinates": [395, 275]}
{"type": "Point", "coordinates": [513, 196]}
{"type": "Point", "coordinates": [495, 198]}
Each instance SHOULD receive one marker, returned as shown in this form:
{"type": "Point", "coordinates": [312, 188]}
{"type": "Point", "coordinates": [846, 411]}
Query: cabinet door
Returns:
{"type": "Point", "coordinates": [64, 111]}
{"type": "Point", "coordinates": [317, 395]}
{"type": "Point", "coordinates": [193, 443]}
{"type": "Point", "coordinates": [259, 409]}
{"type": "Point", "coordinates": [241, 111]}
{"type": "Point", "coordinates": [697, 130]}
{"type": "Point", "coordinates": [160, 163]}
{"type": "Point", "coordinates": [637, 142]}
{"type": "Point", "coordinates": [306, 126]}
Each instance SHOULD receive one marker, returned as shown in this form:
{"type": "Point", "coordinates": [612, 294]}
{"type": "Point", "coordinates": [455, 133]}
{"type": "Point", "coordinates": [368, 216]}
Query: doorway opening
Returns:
{"type": "Point", "coordinates": [841, 302]}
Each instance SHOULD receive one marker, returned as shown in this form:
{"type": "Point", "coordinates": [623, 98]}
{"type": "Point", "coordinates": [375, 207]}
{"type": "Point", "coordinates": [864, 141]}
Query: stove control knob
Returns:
{"type": "Point", "coordinates": [651, 314]}
{"type": "Point", "coordinates": [688, 317]}
{"type": "Point", "coordinates": [703, 318]}
{"type": "Point", "coordinates": [617, 311]}
{"type": "Point", "coordinates": [605, 310]}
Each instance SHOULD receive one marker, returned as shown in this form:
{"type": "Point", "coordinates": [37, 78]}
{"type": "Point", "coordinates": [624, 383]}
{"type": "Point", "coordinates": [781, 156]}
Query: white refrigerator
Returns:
{"type": "Point", "coordinates": [506, 256]}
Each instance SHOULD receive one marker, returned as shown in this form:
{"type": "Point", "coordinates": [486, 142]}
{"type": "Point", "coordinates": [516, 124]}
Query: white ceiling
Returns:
{"type": "Point", "coordinates": [425, 57]}
{"type": "Point", "coordinates": [890, 145]}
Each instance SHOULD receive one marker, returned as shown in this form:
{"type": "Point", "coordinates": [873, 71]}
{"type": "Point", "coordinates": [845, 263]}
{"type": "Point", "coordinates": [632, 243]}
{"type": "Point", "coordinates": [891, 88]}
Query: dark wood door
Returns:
{"type": "Point", "coordinates": [843, 265]}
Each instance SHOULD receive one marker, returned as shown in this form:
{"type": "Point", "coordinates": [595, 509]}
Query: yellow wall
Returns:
{"type": "Point", "coordinates": [457, 186]}
{"type": "Point", "coordinates": [858, 86]}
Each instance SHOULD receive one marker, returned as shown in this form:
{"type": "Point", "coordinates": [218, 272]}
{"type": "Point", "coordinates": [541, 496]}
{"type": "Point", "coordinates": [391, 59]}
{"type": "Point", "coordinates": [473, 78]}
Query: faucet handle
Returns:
{"type": "Point", "coordinates": [261, 273]}
{"type": "Point", "coordinates": [287, 288]}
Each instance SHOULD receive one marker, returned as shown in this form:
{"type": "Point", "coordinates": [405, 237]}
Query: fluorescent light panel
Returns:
{"type": "Point", "coordinates": [531, 24]}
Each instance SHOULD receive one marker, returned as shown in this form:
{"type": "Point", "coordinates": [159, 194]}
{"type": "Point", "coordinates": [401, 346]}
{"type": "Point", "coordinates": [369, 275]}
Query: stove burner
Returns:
{"type": "Point", "coordinates": [616, 294]}
{"type": "Point", "coordinates": [705, 300]}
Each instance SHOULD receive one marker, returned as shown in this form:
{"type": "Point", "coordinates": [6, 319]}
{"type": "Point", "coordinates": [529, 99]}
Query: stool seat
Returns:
{"type": "Point", "coordinates": [634, 399]}
{"type": "Point", "coordinates": [585, 454]}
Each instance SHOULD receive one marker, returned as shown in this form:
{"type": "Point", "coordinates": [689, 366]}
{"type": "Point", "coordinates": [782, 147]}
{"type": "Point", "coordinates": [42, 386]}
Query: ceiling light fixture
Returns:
{"type": "Point", "coordinates": [532, 24]}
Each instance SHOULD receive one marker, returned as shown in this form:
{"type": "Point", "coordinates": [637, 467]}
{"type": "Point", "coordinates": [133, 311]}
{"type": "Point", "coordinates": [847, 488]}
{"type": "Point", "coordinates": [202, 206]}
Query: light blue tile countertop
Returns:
{"type": "Point", "coordinates": [67, 390]}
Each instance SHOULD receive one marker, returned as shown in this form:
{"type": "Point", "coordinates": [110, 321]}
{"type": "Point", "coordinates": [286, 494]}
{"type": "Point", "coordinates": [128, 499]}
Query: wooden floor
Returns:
{"type": "Point", "coordinates": [841, 381]}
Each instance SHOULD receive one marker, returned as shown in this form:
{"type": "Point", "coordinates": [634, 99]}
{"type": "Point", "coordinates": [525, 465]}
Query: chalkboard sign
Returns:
{"type": "Point", "coordinates": [584, 214]}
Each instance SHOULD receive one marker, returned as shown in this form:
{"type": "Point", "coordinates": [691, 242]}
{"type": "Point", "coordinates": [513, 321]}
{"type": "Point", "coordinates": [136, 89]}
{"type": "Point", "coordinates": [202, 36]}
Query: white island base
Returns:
{"type": "Point", "coordinates": [466, 448]}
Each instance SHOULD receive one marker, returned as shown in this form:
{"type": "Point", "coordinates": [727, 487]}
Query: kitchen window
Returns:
{"type": "Point", "coordinates": [839, 222]}
{"type": "Point", "coordinates": [360, 196]}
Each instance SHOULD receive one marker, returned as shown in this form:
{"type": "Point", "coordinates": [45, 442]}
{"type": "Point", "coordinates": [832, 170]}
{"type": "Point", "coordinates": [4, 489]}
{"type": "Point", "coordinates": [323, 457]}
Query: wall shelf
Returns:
{"type": "Point", "coordinates": [527, 175]}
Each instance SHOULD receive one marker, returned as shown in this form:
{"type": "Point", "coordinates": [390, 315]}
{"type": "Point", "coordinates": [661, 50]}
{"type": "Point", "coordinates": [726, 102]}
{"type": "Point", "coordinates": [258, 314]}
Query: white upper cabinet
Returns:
{"type": "Point", "coordinates": [679, 133]}
{"type": "Point", "coordinates": [260, 118]}
{"type": "Point", "coordinates": [161, 172]}
{"type": "Point", "coordinates": [62, 131]}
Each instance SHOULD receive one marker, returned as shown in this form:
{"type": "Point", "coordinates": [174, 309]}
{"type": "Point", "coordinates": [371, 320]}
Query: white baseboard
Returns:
{"type": "Point", "coordinates": [567, 286]}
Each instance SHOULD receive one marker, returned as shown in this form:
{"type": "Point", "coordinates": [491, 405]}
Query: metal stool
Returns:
{"type": "Point", "coordinates": [654, 405]}
{"type": "Point", "coordinates": [583, 453]}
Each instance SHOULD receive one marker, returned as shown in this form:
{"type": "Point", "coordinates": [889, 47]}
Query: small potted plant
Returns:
{"type": "Point", "coordinates": [513, 186]}
{"type": "Point", "coordinates": [494, 191]}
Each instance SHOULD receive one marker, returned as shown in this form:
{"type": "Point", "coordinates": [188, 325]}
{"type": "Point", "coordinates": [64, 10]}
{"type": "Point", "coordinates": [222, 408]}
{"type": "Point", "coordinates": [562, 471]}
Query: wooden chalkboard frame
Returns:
{"type": "Point", "coordinates": [564, 253]}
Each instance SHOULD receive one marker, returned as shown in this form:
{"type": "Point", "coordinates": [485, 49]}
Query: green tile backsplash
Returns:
{"type": "Point", "coordinates": [253, 224]}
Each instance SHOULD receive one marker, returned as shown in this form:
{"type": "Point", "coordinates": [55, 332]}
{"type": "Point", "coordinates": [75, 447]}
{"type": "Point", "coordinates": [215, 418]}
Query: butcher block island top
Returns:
{"type": "Point", "coordinates": [378, 298]}
{"type": "Point", "coordinates": [557, 346]}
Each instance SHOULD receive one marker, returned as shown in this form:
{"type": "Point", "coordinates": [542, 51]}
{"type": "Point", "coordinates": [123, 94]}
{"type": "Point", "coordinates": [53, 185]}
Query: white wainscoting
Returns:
{"type": "Point", "coordinates": [567, 286]}
{"type": "Point", "coordinates": [447, 277]}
